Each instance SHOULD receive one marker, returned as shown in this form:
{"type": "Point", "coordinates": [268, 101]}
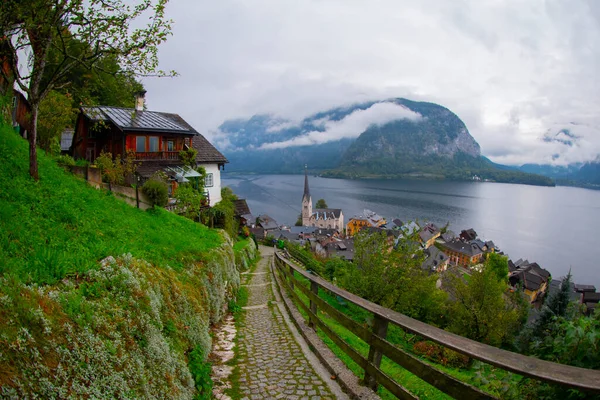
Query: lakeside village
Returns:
{"type": "Point", "coordinates": [323, 231]}
{"type": "Point", "coordinates": [156, 139]}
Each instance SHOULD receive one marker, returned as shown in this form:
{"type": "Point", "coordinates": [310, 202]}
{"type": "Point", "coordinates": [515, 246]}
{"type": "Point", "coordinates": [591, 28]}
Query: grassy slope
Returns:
{"type": "Point", "coordinates": [60, 225]}
{"type": "Point", "coordinates": [70, 327]}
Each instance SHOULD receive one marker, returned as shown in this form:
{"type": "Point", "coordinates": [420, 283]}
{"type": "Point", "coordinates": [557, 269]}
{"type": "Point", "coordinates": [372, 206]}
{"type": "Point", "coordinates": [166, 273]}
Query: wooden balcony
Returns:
{"type": "Point", "coordinates": [157, 155]}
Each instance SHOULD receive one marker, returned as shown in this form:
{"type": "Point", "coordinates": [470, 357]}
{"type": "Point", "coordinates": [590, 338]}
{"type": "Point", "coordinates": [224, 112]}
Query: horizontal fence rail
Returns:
{"type": "Point", "coordinates": [567, 376]}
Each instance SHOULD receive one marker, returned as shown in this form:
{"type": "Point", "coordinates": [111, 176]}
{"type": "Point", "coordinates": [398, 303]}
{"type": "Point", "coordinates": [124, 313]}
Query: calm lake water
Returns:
{"type": "Point", "coordinates": [556, 227]}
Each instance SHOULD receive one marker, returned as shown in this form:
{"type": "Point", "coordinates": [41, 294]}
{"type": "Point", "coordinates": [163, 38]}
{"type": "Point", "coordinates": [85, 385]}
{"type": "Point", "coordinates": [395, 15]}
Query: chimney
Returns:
{"type": "Point", "coordinates": [139, 100]}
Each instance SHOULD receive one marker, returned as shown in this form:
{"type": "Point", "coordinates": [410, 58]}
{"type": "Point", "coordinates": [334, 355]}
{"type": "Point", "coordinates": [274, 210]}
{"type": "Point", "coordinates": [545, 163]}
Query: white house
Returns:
{"type": "Point", "coordinates": [213, 161]}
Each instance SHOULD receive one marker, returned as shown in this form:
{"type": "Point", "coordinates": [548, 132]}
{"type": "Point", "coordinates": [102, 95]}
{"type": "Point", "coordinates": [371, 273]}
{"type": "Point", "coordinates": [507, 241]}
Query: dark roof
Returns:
{"type": "Point", "coordinates": [530, 274]}
{"type": "Point", "coordinates": [448, 236]}
{"type": "Point", "coordinates": [434, 259]}
{"type": "Point", "coordinates": [66, 139]}
{"type": "Point", "coordinates": [147, 168]}
{"type": "Point", "coordinates": [397, 222]}
{"type": "Point", "coordinates": [428, 232]}
{"type": "Point", "coordinates": [511, 266]}
{"type": "Point", "coordinates": [584, 288]}
{"type": "Point", "coordinates": [128, 119]}
{"type": "Point", "coordinates": [303, 229]}
{"type": "Point", "coordinates": [327, 213]}
{"type": "Point", "coordinates": [267, 222]}
{"type": "Point", "coordinates": [258, 232]}
{"type": "Point", "coordinates": [207, 153]}
{"type": "Point", "coordinates": [591, 297]}
{"type": "Point", "coordinates": [241, 207]}
{"type": "Point", "coordinates": [468, 234]}
{"type": "Point", "coordinates": [343, 249]}
{"type": "Point", "coordinates": [530, 280]}
{"type": "Point", "coordinates": [324, 232]}
{"type": "Point", "coordinates": [462, 247]}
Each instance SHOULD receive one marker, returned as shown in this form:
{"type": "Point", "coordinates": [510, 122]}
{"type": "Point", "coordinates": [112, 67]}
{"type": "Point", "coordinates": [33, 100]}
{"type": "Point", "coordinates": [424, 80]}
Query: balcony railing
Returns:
{"type": "Point", "coordinates": [157, 155]}
{"type": "Point", "coordinates": [291, 276]}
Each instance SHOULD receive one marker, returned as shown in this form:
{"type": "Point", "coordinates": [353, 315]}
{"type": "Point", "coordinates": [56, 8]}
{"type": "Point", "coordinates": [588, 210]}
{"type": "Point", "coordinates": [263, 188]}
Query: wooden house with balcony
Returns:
{"type": "Point", "coordinates": [155, 139]}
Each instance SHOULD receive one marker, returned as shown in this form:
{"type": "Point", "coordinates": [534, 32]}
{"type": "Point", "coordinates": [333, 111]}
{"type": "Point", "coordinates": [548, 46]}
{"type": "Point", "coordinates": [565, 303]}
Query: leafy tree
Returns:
{"type": "Point", "coordinates": [321, 203]}
{"type": "Point", "coordinates": [56, 114]}
{"type": "Point", "coordinates": [188, 158]}
{"type": "Point", "coordinates": [189, 201]}
{"type": "Point", "coordinates": [299, 220]}
{"type": "Point", "coordinates": [112, 170]}
{"type": "Point", "coordinates": [157, 191]}
{"type": "Point", "coordinates": [480, 308]}
{"type": "Point", "coordinates": [104, 27]}
{"type": "Point", "coordinates": [117, 171]}
{"type": "Point", "coordinates": [499, 265]}
{"type": "Point", "coordinates": [393, 278]}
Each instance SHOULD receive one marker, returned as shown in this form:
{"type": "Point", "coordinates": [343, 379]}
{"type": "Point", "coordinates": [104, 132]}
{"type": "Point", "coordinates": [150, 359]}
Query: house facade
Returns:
{"type": "Point", "coordinates": [155, 140]}
{"type": "Point", "coordinates": [462, 254]}
{"type": "Point", "coordinates": [368, 220]}
{"type": "Point", "coordinates": [328, 218]}
{"type": "Point", "coordinates": [428, 234]}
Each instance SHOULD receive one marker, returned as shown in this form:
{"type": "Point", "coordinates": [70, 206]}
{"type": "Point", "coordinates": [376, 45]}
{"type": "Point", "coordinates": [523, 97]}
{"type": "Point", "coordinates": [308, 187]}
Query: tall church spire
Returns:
{"type": "Point", "coordinates": [306, 201]}
{"type": "Point", "coordinates": [306, 190]}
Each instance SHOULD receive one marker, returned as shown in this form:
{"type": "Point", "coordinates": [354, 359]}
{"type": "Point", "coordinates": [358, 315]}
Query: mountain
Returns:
{"type": "Point", "coordinates": [394, 138]}
{"type": "Point", "coordinates": [576, 174]}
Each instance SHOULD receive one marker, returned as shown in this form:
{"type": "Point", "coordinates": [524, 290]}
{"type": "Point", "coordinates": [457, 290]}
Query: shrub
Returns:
{"type": "Point", "coordinates": [157, 191]}
{"type": "Point", "coordinates": [200, 370]}
{"type": "Point", "coordinates": [441, 354]}
{"type": "Point", "coordinates": [65, 161]}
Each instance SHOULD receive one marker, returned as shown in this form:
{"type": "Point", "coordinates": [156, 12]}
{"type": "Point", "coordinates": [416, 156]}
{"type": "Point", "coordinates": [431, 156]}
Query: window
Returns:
{"type": "Point", "coordinates": [208, 181]}
{"type": "Point", "coordinates": [170, 146]}
{"type": "Point", "coordinates": [140, 144]}
{"type": "Point", "coordinates": [153, 143]}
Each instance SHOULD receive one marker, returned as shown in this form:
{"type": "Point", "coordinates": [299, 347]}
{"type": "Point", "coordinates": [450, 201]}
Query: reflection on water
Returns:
{"type": "Point", "coordinates": [554, 226]}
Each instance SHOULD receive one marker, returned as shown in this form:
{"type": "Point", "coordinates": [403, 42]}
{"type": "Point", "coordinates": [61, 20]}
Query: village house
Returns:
{"type": "Point", "coordinates": [462, 254]}
{"type": "Point", "coordinates": [428, 234]}
{"type": "Point", "coordinates": [330, 218]}
{"type": "Point", "coordinates": [155, 139]}
{"type": "Point", "coordinates": [369, 219]}
{"type": "Point", "coordinates": [435, 260]}
{"type": "Point", "coordinates": [267, 223]}
{"type": "Point", "coordinates": [533, 278]}
{"type": "Point", "coordinates": [242, 213]}
{"type": "Point", "coordinates": [341, 248]}
{"type": "Point", "coordinates": [468, 234]}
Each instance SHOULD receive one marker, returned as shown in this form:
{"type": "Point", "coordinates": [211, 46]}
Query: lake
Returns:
{"type": "Point", "coordinates": [554, 226]}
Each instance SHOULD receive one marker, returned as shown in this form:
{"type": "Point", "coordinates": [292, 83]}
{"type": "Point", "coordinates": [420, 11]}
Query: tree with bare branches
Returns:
{"type": "Point", "coordinates": [105, 28]}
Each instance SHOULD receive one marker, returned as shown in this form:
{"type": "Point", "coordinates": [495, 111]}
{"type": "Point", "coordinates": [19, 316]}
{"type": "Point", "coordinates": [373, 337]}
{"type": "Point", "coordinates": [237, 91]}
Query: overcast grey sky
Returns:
{"type": "Point", "coordinates": [515, 71]}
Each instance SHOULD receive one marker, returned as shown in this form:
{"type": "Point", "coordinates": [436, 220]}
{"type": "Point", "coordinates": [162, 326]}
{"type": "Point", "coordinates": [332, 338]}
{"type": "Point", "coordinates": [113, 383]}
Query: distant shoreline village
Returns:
{"type": "Point", "coordinates": [324, 231]}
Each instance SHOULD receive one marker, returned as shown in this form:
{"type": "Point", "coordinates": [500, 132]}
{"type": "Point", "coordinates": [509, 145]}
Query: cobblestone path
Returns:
{"type": "Point", "coordinates": [271, 363]}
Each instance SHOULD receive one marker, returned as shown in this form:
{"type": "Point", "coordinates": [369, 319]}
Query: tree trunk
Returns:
{"type": "Point", "coordinates": [32, 136]}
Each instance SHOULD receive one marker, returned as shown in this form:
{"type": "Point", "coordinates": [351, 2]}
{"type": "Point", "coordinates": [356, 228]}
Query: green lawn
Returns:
{"type": "Point", "coordinates": [60, 225]}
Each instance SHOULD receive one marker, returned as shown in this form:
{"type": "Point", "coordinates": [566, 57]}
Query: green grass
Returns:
{"type": "Point", "coordinates": [61, 226]}
{"type": "Point", "coordinates": [241, 244]}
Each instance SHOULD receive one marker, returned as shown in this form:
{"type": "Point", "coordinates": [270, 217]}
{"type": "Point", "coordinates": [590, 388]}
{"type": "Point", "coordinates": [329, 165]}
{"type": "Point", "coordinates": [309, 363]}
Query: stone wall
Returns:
{"type": "Point", "coordinates": [127, 193]}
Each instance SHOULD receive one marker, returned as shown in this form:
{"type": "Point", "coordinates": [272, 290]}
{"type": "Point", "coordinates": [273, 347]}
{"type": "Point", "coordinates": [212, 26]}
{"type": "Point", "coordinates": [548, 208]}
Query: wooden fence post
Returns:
{"type": "Point", "coordinates": [313, 306]}
{"type": "Point", "coordinates": [380, 327]}
{"type": "Point", "coordinates": [291, 276]}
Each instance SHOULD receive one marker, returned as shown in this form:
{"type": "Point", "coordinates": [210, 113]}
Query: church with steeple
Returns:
{"type": "Point", "coordinates": [327, 218]}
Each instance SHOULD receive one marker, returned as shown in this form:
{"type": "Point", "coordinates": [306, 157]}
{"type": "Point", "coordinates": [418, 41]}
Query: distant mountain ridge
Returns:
{"type": "Point", "coordinates": [393, 138]}
{"type": "Point", "coordinates": [576, 174]}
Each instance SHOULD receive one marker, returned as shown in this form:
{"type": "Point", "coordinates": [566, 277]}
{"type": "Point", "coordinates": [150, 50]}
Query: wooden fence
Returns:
{"type": "Point", "coordinates": [572, 377]}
